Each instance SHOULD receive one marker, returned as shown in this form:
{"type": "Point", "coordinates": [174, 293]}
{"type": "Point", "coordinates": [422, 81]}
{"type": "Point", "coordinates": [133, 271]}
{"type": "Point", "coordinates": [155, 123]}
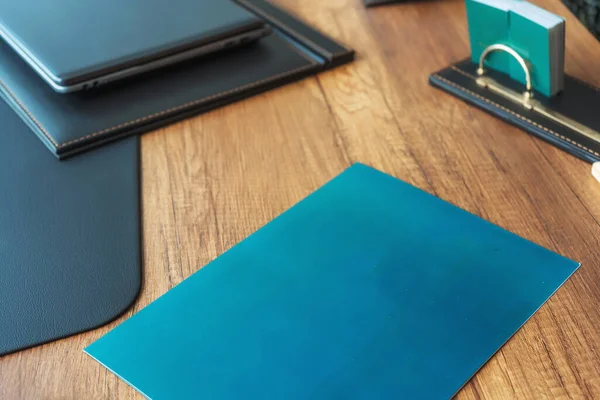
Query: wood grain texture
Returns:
{"type": "Point", "coordinates": [210, 181]}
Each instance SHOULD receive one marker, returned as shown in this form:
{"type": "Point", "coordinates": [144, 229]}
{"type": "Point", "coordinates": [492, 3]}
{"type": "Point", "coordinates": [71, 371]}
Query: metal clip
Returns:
{"type": "Point", "coordinates": [526, 98]}
{"type": "Point", "coordinates": [501, 89]}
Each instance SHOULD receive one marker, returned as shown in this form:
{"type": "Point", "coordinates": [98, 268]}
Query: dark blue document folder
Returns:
{"type": "Point", "coordinates": [368, 289]}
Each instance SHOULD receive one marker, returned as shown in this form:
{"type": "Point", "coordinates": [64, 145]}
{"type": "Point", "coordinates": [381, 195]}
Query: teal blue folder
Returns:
{"type": "Point", "coordinates": [367, 289]}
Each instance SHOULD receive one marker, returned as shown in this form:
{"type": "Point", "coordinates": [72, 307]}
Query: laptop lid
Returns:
{"type": "Point", "coordinates": [74, 40]}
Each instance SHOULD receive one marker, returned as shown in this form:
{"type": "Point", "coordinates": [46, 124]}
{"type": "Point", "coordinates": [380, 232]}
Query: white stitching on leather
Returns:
{"type": "Point", "coordinates": [514, 113]}
{"type": "Point", "coordinates": [160, 113]}
{"type": "Point", "coordinates": [189, 104]}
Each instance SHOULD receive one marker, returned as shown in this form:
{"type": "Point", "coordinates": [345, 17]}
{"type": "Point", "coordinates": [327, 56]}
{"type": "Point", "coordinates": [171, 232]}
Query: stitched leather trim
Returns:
{"type": "Point", "coordinates": [186, 105]}
{"type": "Point", "coordinates": [460, 71]}
{"type": "Point", "coordinates": [558, 135]}
{"type": "Point", "coordinates": [455, 68]}
{"type": "Point", "coordinates": [157, 114]}
{"type": "Point", "coordinates": [26, 111]}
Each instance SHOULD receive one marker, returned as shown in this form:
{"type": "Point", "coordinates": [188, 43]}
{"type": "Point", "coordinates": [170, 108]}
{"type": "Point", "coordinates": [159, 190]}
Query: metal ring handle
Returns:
{"type": "Point", "coordinates": [501, 47]}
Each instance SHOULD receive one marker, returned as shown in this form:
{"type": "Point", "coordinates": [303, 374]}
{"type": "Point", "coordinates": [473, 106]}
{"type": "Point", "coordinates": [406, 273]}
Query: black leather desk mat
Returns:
{"type": "Point", "coordinates": [69, 237]}
{"type": "Point", "coordinates": [71, 123]}
{"type": "Point", "coordinates": [579, 101]}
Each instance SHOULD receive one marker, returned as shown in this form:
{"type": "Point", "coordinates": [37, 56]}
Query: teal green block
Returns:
{"type": "Point", "coordinates": [489, 25]}
{"type": "Point", "coordinates": [532, 41]}
{"type": "Point", "coordinates": [367, 289]}
{"type": "Point", "coordinates": [499, 22]}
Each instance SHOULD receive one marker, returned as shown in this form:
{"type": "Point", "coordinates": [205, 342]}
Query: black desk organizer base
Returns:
{"type": "Point", "coordinates": [579, 101]}
{"type": "Point", "coordinates": [71, 123]}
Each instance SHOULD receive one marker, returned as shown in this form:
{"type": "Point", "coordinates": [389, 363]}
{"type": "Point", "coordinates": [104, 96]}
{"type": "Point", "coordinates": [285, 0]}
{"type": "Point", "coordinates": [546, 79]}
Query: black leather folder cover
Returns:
{"type": "Point", "coordinates": [69, 237]}
{"type": "Point", "coordinates": [71, 123]}
{"type": "Point", "coordinates": [578, 101]}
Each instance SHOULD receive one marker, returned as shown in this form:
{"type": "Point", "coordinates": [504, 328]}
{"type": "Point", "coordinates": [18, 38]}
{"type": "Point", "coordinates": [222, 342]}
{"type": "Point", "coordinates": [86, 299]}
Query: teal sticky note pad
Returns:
{"type": "Point", "coordinates": [367, 289]}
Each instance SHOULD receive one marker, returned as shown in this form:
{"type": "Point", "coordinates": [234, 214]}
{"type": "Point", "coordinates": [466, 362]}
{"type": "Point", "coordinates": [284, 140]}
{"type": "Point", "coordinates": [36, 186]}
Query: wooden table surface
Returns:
{"type": "Point", "coordinates": [210, 181]}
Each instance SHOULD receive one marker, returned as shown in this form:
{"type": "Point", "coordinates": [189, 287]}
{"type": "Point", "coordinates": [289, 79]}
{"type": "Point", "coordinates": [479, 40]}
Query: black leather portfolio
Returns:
{"type": "Point", "coordinates": [71, 123]}
{"type": "Point", "coordinates": [569, 120]}
{"type": "Point", "coordinates": [69, 237]}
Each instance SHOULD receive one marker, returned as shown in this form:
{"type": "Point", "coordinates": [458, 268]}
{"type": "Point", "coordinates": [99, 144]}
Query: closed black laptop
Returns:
{"type": "Point", "coordinates": [75, 44]}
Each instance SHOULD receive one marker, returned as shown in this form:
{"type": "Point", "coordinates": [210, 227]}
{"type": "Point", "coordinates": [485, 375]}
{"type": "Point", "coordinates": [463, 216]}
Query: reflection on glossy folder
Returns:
{"type": "Point", "coordinates": [367, 289]}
